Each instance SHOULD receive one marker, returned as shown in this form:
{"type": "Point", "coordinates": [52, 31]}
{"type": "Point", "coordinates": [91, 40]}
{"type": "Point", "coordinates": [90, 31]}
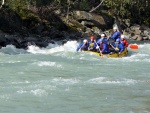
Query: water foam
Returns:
{"type": "Point", "coordinates": [69, 46]}
{"type": "Point", "coordinates": [63, 81]}
{"type": "Point", "coordinates": [104, 80]}
{"type": "Point", "coordinates": [39, 92]}
{"type": "Point", "coordinates": [36, 92]}
{"type": "Point", "coordinates": [12, 50]}
{"type": "Point", "coordinates": [48, 63]}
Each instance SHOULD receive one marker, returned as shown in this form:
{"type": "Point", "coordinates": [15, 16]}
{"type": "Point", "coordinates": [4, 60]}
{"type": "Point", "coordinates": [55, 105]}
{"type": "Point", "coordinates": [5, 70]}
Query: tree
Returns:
{"type": "Point", "coordinates": [2, 3]}
{"type": "Point", "coordinates": [96, 7]}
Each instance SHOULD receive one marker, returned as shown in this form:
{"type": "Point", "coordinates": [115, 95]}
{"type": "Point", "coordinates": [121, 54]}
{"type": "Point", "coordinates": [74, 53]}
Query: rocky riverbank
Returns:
{"type": "Point", "coordinates": [40, 31]}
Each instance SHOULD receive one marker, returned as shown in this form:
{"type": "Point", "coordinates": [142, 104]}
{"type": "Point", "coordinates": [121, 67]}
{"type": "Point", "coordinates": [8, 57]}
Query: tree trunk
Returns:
{"type": "Point", "coordinates": [2, 3]}
{"type": "Point", "coordinates": [96, 7]}
{"type": "Point", "coordinates": [117, 22]}
{"type": "Point", "coordinates": [68, 1]}
{"type": "Point", "coordinates": [78, 6]}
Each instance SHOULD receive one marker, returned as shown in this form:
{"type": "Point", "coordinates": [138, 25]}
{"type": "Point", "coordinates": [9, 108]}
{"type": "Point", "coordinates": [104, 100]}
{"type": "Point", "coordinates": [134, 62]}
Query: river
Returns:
{"type": "Point", "coordinates": [57, 79]}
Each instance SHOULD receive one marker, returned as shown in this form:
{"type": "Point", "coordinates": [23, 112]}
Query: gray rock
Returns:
{"type": "Point", "coordinates": [148, 37]}
{"type": "Point", "coordinates": [135, 37]}
{"type": "Point", "coordinates": [82, 15]}
{"type": "Point", "coordinates": [145, 38]}
{"type": "Point", "coordinates": [87, 23]}
{"type": "Point", "coordinates": [140, 38]}
{"type": "Point", "coordinates": [146, 32]}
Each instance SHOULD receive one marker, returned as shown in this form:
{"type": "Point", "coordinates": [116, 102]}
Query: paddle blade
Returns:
{"type": "Point", "coordinates": [133, 46]}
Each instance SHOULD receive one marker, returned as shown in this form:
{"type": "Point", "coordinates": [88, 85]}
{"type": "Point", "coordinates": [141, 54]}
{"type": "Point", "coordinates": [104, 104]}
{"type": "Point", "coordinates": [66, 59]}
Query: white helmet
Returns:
{"type": "Point", "coordinates": [102, 34]}
{"type": "Point", "coordinates": [84, 40]}
{"type": "Point", "coordinates": [122, 36]}
{"type": "Point", "coordinates": [115, 28]}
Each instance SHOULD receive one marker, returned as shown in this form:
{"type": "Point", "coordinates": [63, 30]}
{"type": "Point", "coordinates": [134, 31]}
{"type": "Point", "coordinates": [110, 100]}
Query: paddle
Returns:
{"type": "Point", "coordinates": [97, 45]}
{"type": "Point", "coordinates": [133, 46]}
{"type": "Point", "coordinates": [116, 49]}
{"type": "Point", "coordinates": [98, 48]}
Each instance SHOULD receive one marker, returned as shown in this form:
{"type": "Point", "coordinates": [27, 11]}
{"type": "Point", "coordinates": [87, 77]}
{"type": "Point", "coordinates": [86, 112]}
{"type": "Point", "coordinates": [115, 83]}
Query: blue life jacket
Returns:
{"type": "Point", "coordinates": [120, 46]}
{"type": "Point", "coordinates": [99, 41]}
{"type": "Point", "coordinates": [115, 36]}
{"type": "Point", "coordinates": [105, 46]}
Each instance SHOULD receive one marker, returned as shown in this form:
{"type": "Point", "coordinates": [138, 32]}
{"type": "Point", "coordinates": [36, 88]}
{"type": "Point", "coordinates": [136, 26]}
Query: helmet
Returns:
{"type": "Point", "coordinates": [84, 40]}
{"type": "Point", "coordinates": [115, 28]}
{"type": "Point", "coordinates": [122, 36]}
{"type": "Point", "coordinates": [92, 37]}
{"type": "Point", "coordinates": [102, 34]}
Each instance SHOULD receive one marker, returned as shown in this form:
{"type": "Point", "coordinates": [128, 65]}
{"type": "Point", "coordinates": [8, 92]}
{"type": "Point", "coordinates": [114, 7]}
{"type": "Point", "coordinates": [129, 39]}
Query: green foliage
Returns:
{"type": "Point", "coordinates": [84, 5]}
{"type": "Point", "coordinates": [15, 5]}
{"type": "Point", "coordinates": [44, 2]}
{"type": "Point", "coordinates": [137, 10]}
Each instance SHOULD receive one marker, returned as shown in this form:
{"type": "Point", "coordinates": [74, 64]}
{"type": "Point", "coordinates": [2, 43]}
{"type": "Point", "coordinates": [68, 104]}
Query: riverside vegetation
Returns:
{"type": "Point", "coordinates": [39, 22]}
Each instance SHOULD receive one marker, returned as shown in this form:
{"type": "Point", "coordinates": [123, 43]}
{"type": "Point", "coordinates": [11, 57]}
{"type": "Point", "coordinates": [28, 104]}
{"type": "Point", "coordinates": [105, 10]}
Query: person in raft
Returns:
{"type": "Point", "coordinates": [99, 41]}
{"type": "Point", "coordinates": [115, 36]}
{"type": "Point", "coordinates": [119, 45]}
{"type": "Point", "coordinates": [92, 44]}
{"type": "Point", "coordinates": [103, 44]}
{"type": "Point", "coordinates": [83, 46]}
{"type": "Point", "coordinates": [123, 40]}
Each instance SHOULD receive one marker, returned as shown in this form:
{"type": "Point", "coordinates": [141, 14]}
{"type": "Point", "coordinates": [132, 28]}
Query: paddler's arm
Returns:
{"type": "Point", "coordinates": [121, 49]}
{"type": "Point", "coordinates": [79, 47]}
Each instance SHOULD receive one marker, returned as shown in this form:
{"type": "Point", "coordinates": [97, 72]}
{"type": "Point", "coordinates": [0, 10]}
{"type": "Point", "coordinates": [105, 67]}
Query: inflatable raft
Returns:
{"type": "Point", "coordinates": [112, 55]}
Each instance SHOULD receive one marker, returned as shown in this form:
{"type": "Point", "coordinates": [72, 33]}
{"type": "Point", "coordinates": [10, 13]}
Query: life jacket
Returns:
{"type": "Point", "coordinates": [105, 43]}
{"type": "Point", "coordinates": [92, 46]}
{"type": "Point", "coordinates": [116, 35]}
{"type": "Point", "coordinates": [125, 42]}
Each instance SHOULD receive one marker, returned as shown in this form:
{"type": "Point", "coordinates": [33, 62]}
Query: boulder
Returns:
{"type": "Point", "coordinates": [146, 32]}
{"type": "Point", "coordinates": [145, 38]}
{"type": "Point", "coordinates": [82, 15]}
{"type": "Point", "coordinates": [93, 20]}
{"type": "Point", "coordinates": [87, 23]}
{"type": "Point", "coordinates": [127, 22]}
{"type": "Point", "coordinates": [136, 29]}
{"type": "Point", "coordinates": [148, 37]}
{"type": "Point", "coordinates": [139, 38]}
{"type": "Point", "coordinates": [135, 37]}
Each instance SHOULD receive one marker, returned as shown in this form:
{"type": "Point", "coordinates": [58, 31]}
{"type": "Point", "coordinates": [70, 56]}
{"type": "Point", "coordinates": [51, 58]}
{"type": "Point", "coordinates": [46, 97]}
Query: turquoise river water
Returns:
{"type": "Point", "coordinates": [57, 79]}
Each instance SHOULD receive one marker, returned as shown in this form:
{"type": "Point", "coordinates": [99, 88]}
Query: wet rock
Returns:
{"type": "Point", "coordinates": [139, 38]}
{"type": "Point", "coordinates": [135, 37]}
{"type": "Point", "coordinates": [93, 20]}
{"type": "Point", "coordinates": [82, 15]}
{"type": "Point", "coordinates": [146, 32]}
{"type": "Point", "coordinates": [135, 29]}
{"type": "Point", "coordinates": [87, 23]}
{"type": "Point", "coordinates": [145, 38]}
{"type": "Point", "coordinates": [127, 22]}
